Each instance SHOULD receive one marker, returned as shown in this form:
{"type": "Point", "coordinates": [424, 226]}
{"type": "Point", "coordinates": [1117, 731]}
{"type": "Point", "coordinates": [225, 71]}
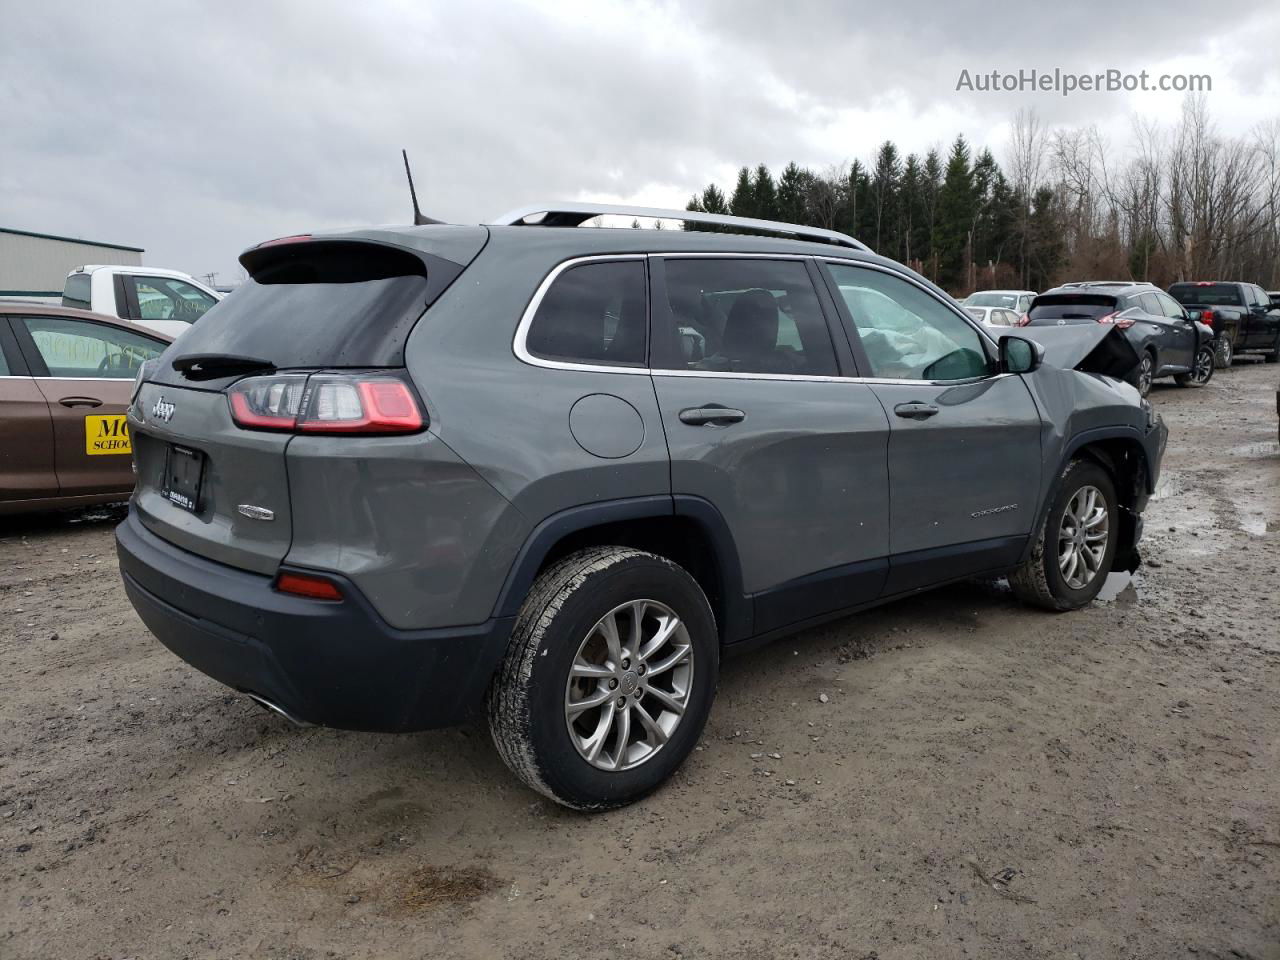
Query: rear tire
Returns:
{"type": "Point", "coordinates": [1086, 500]}
{"type": "Point", "coordinates": [573, 644]}
{"type": "Point", "coordinates": [1224, 353]}
{"type": "Point", "coordinates": [1274, 355]}
{"type": "Point", "coordinates": [1201, 369]}
{"type": "Point", "coordinates": [1146, 373]}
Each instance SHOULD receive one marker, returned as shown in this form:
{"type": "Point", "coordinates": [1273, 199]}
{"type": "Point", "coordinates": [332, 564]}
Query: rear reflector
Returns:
{"type": "Point", "coordinates": [326, 403]}
{"type": "Point", "coordinates": [306, 585]}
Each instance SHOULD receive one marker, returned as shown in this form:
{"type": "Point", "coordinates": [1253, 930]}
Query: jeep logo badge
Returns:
{"type": "Point", "coordinates": [163, 410]}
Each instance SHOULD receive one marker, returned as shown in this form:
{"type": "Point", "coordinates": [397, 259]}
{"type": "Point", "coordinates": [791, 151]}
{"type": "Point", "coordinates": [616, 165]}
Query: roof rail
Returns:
{"type": "Point", "coordinates": [1109, 283]}
{"type": "Point", "coordinates": [574, 214]}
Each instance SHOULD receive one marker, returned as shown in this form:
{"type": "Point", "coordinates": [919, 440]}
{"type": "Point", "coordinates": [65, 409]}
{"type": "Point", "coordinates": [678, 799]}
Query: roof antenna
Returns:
{"type": "Point", "coordinates": [419, 218]}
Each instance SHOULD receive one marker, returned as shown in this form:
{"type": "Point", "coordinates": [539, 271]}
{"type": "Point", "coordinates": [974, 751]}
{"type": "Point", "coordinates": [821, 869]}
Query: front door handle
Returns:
{"type": "Point", "coordinates": [80, 402]}
{"type": "Point", "coordinates": [915, 410]}
{"type": "Point", "coordinates": [711, 414]}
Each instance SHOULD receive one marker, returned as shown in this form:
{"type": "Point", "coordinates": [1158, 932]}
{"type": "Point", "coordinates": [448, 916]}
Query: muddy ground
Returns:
{"type": "Point", "coordinates": [1115, 771]}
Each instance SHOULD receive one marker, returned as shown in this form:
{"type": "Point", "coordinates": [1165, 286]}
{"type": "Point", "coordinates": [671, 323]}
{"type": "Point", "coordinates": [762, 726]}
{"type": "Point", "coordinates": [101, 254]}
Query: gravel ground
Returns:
{"type": "Point", "coordinates": [949, 776]}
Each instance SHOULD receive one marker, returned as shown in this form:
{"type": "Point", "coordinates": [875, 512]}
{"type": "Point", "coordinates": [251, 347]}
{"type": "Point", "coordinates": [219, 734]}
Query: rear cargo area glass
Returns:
{"type": "Point", "coordinates": [1072, 306]}
{"type": "Point", "coordinates": [329, 304]}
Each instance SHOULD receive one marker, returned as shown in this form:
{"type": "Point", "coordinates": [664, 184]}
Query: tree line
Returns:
{"type": "Point", "coordinates": [1181, 204]}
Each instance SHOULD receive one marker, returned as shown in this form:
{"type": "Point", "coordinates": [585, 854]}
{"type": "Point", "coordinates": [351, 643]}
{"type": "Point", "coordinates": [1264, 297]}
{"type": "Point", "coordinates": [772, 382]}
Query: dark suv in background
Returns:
{"type": "Point", "coordinates": [552, 472]}
{"type": "Point", "coordinates": [1168, 340]}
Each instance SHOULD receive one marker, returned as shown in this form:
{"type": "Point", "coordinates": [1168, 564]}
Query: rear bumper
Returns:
{"type": "Point", "coordinates": [326, 663]}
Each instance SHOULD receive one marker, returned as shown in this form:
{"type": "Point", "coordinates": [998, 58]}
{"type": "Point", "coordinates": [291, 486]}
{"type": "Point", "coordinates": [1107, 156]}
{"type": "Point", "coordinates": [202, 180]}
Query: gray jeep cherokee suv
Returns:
{"type": "Point", "coordinates": [554, 472]}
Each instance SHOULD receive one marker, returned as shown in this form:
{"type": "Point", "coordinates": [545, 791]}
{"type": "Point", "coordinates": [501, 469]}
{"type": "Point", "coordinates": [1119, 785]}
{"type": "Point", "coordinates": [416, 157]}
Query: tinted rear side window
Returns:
{"type": "Point", "coordinates": [77, 291]}
{"type": "Point", "coordinates": [743, 316]}
{"type": "Point", "coordinates": [1071, 306]}
{"type": "Point", "coordinates": [1195, 294]}
{"type": "Point", "coordinates": [594, 313]}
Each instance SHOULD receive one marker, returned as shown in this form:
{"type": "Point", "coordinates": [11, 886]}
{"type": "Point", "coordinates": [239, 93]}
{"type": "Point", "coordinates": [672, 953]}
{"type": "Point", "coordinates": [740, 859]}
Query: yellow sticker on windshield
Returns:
{"type": "Point", "coordinates": [106, 434]}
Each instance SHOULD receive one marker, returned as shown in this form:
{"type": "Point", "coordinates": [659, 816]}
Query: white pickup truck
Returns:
{"type": "Point", "coordinates": [167, 301]}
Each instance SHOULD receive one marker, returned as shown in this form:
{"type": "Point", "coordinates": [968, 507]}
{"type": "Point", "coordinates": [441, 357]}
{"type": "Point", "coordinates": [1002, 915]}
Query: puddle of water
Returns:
{"type": "Point", "coordinates": [1121, 588]}
{"type": "Point", "coordinates": [1267, 448]}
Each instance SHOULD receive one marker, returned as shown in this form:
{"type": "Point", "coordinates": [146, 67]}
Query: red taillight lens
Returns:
{"type": "Point", "coordinates": [350, 405]}
{"type": "Point", "coordinates": [326, 403]}
{"type": "Point", "coordinates": [1206, 316]}
{"type": "Point", "coordinates": [307, 585]}
{"type": "Point", "coordinates": [1124, 323]}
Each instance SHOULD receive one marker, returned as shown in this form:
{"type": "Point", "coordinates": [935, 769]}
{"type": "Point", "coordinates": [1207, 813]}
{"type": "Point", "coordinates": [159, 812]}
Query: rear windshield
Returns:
{"type": "Point", "coordinates": [334, 304]}
{"type": "Point", "coordinates": [1216, 294]}
{"type": "Point", "coordinates": [1008, 300]}
{"type": "Point", "coordinates": [1071, 306]}
{"type": "Point", "coordinates": [76, 293]}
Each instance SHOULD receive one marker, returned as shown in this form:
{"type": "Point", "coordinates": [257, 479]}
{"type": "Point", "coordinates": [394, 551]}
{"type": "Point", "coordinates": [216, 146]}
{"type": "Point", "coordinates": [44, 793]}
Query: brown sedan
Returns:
{"type": "Point", "coordinates": [65, 380]}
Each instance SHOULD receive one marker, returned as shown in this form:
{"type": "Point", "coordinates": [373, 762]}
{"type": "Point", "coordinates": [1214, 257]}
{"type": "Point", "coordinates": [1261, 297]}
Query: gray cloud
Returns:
{"type": "Point", "coordinates": [197, 131]}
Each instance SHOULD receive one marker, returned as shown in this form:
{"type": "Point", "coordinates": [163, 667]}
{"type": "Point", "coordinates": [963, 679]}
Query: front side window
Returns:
{"type": "Point", "coordinates": [1169, 306]}
{"type": "Point", "coordinates": [593, 313]}
{"type": "Point", "coordinates": [906, 333]}
{"type": "Point", "coordinates": [750, 315]}
{"type": "Point", "coordinates": [164, 298]}
{"type": "Point", "coordinates": [80, 348]}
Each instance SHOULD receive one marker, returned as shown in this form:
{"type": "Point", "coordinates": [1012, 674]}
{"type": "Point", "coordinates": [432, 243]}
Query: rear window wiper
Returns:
{"type": "Point", "coordinates": [210, 366]}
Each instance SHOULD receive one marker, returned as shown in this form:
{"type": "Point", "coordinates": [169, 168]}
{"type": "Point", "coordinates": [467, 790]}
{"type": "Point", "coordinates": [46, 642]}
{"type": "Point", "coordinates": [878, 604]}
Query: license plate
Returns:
{"type": "Point", "coordinates": [183, 471]}
{"type": "Point", "coordinates": [105, 435]}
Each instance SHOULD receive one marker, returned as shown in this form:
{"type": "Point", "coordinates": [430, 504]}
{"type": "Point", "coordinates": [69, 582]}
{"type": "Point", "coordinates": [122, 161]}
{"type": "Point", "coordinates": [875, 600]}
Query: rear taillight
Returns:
{"type": "Point", "coordinates": [326, 403]}
{"type": "Point", "coordinates": [1023, 320]}
{"type": "Point", "coordinates": [1124, 323]}
{"type": "Point", "coordinates": [1206, 316]}
{"type": "Point", "coordinates": [308, 585]}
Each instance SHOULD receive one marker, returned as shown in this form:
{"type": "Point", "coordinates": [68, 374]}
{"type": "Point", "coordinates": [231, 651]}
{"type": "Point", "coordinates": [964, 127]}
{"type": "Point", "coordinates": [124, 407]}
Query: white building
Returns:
{"type": "Point", "coordinates": [33, 266]}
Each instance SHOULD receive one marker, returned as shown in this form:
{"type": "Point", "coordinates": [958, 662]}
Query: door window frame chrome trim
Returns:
{"type": "Point", "coordinates": [521, 351]}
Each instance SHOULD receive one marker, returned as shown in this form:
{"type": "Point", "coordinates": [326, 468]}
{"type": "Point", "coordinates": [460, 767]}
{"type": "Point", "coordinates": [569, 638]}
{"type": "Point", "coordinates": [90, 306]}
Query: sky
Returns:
{"type": "Point", "coordinates": [197, 130]}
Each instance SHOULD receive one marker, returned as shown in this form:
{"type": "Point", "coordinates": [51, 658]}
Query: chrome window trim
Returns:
{"type": "Point", "coordinates": [522, 353]}
{"type": "Point", "coordinates": [29, 376]}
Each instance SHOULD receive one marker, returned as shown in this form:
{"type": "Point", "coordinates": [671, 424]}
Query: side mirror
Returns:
{"type": "Point", "coordinates": [1019, 355]}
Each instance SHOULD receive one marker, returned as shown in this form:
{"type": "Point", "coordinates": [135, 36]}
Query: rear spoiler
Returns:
{"type": "Point", "coordinates": [1087, 347]}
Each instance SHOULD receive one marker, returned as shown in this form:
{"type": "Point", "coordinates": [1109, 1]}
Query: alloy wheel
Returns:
{"type": "Point", "coordinates": [629, 685]}
{"type": "Point", "coordinates": [1203, 368]}
{"type": "Point", "coordinates": [1145, 371]}
{"type": "Point", "coordinates": [1082, 537]}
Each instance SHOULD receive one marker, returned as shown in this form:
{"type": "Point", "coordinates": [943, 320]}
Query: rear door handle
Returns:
{"type": "Point", "coordinates": [915, 410]}
{"type": "Point", "coordinates": [80, 402]}
{"type": "Point", "coordinates": [711, 414]}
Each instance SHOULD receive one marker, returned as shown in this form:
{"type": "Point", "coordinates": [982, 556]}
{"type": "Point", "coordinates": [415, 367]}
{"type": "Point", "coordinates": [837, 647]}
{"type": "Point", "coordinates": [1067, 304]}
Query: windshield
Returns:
{"type": "Point", "coordinates": [1211, 294]}
{"type": "Point", "coordinates": [1071, 306]}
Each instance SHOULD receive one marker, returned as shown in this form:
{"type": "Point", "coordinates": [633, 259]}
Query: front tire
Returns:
{"type": "Point", "coordinates": [608, 678]}
{"type": "Point", "coordinates": [1201, 369]}
{"type": "Point", "coordinates": [1076, 546]}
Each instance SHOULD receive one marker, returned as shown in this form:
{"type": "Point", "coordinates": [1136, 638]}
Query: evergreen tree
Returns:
{"type": "Point", "coordinates": [914, 223]}
{"type": "Point", "coordinates": [792, 188]}
{"type": "Point", "coordinates": [743, 201]}
{"type": "Point", "coordinates": [713, 200]}
{"type": "Point", "coordinates": [884, 199]}
{"type": "Point", "coordinates": [930, 187]}
{"type": "Point", "coordinates": [957, 208]}
{"type": "Point", "coordinates": [765, 194]}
